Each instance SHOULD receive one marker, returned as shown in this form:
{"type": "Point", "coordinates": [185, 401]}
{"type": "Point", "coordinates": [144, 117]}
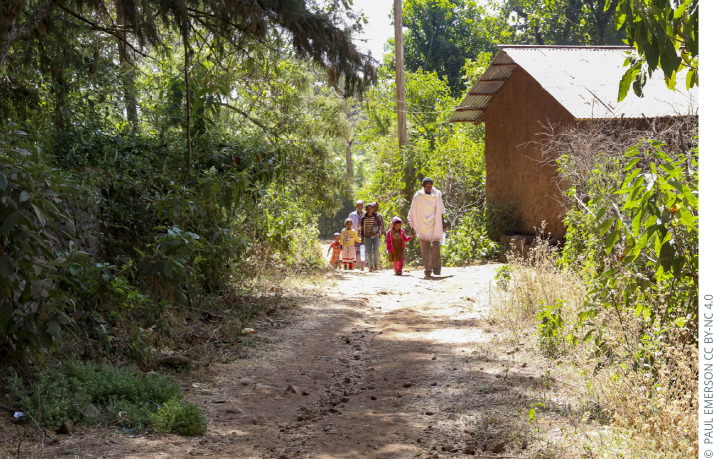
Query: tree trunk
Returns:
{"type": "Point", "coordinates": [350, 165]}
{"type": "Point", "coordinates": [10, 11]}
{"type": "Point", "coordinates": [408, 169]}
{"type": "Point", "coordinates": [186, 64]}
{"type": "Point", "coordinates": [127, 71]}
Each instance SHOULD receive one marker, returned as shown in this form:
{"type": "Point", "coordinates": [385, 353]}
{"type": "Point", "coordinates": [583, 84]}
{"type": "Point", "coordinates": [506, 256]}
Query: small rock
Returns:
{"type": "Point", "coordinates": [233, 410]}
{"type": "Point", "coordinates": [430, 413]}
{"type": "Point", "coordinates": [265, 389]}
{"type": "Point", "coordinates": [344, 399]}
{"type": "Point", "coordinates": [52, 441]}
{"type": "Point", "coordinates": [407, 384]}
{"type": "Point", "coordinates": [91, 411]}
{"type": "Point", "coordinates": [66, 428]}
{"type": "Point", "coordinates": [498, 375]}
{"type": "Point", "coordinates": [357, 357]}
{"type": "Point", "coordinates": [499, 447]}
{"type": "Point", "coordinates": [294, 389]}
{"type": "Point", "coordinates": [470, 449]}
{"type": "Point", "coordinates": [433, 358]}
{"type": "Point", "coordinates": [174, 361]}
{"type": "Point", "coordinates": [434, 383]}
{"type": "Point", "coordinates": [258, 419]}
{"type": "Point", "coordinates": [373, 397]}
{"type": "Point", "coordinates": [347, 340]}
{"type": "Point", "coordinates": [524, 364]}
{"type": "Point", "coordinates": [348, 380]}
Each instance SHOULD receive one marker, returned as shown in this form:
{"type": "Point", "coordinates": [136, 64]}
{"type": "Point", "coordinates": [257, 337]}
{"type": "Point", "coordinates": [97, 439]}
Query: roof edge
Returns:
{"type": "Point", "coordinates": [592, 48]}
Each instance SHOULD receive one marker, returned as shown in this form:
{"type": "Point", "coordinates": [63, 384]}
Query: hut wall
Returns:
{"type": "Point", "coordinates": [515, 173]}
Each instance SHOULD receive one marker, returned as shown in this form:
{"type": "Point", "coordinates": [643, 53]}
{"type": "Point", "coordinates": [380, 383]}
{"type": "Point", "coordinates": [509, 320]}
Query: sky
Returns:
{"type": "Point", "coordinates": [379, 29]}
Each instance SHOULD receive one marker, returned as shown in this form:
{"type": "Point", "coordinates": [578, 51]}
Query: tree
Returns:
{"type": "Point", "coordinates": [442, 34]}
{"type": "Point", "coordinates": [665, 35]}
{"type": "Point", "coordinates": [562, 22]}
{"type": "Point", "coordinates": [313, 33]}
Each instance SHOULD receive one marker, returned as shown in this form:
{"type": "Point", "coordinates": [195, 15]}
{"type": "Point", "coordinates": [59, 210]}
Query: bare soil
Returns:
{"type": "Point", "coordinates": [365, 365]}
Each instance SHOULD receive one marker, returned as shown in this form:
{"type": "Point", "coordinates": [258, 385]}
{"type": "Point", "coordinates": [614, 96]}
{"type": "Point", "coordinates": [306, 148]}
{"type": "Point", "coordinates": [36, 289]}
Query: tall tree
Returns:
{"type": "Point", "coordinates": [442, 34]}
{"type": "Point", "coordinates": [562, 22]}
{"type": "Point", "coordinates": [313, 33]}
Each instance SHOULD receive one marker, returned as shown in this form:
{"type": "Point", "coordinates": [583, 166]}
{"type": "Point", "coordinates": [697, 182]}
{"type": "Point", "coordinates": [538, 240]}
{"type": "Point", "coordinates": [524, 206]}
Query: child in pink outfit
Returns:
{"type": "Point", "coordinates": [396, 240]}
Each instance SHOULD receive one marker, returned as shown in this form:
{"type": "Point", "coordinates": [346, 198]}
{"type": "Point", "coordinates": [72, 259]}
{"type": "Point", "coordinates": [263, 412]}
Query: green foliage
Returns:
{"type": "Point", "coordinates": [440, 36]}
{"type": "Point", "coordinates": [31, 307]}
{"type": "Point", "coordinates": [503, 276]}
{"type": "Point", "coordinates": [562, 22]}
{"type": "Point", "coordinates": [468, 243]}
{"type": "Point", "coordinates": [665, 35]}
{"type": "Point", "coordinates": [499, 220]}
{"type": "Point", "coordinates": [179, 417]}
{"type": "Point", "coordinates": [550, 330]}
{"type": "Point", "coordinates": [653, 235]}
{"type": "Point", "coordinates": [636, 243]}
{"type": "Point", "coordinates": [122, 397]}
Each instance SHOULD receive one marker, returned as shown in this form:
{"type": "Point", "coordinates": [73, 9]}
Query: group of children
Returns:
{"type": "Point", "coordinates": [344, 249]}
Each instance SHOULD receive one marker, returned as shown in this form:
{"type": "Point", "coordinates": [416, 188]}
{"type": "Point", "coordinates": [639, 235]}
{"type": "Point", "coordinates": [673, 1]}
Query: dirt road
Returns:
{"type": "Point", "coordinates": [368, 365]}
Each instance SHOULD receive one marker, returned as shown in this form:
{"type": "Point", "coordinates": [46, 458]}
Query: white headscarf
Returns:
{"type": "Point", "coordinates": [426, 215]}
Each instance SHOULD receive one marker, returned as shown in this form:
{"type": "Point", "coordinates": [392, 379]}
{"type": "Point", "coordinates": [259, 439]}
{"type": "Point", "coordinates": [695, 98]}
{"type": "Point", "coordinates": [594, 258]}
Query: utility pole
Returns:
{"type": "Point", "coordinates": [408, 169]}
{"type": "Point", "coordinates": [400, 80]}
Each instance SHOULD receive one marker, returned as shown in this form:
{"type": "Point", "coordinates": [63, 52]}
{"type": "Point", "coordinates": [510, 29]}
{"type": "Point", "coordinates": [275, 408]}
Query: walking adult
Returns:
{"type": "Point", "coordinates": [370, 230]}
{"type": "Point", "coordinates": [383, 233]}
{"type": "Point", "coordinates": [427, 220]}
{"type": "Point", "coordinates": [356, 218]}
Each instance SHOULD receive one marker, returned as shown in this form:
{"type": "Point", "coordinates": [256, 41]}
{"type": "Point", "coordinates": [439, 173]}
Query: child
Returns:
{"type": "Point", "coordinates": [336, 248]}
{"type": "Point", "coordinates": [396, 240]}
{"type": "Point", "coordinates": [349, 237]}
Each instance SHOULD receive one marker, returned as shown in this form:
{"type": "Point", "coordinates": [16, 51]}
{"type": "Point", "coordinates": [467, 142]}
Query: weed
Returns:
{"type": "Point", "coordinates": [121, 396]}
{"type": "Point", "coordinates": [180, 418]}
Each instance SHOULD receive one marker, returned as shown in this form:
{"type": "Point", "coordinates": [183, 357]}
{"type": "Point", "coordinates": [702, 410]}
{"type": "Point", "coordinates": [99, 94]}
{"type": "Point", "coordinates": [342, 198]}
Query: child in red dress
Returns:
{"type": "Point", "coordinates": [396, 240]}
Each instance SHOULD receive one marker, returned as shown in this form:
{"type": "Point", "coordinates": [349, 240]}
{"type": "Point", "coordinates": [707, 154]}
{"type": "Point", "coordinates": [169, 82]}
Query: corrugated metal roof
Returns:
{"type": "Point", "coordinates": [585, 80]}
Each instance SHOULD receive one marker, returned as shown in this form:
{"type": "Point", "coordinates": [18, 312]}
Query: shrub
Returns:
{"type": "Point", "coordinates": [31, 306]}
{"type": "Point", "coordinates": [467, 242]}
{"type": "Point", "coordinates": [503, 276]}
{"type": "Point", "coordinates": [499, 220]}
{"type": "Point", "coordinates": [180, 418]}
{"type": "Point", "coordinates": [122, 396]}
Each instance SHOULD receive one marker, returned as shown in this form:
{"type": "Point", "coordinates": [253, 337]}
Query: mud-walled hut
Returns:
{"type": "Point", "coordinates": [529, 90]}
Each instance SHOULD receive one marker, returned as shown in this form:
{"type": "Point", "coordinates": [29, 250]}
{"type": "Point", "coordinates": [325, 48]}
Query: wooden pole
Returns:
{"type": "Point", "coordinates": [400, 80]}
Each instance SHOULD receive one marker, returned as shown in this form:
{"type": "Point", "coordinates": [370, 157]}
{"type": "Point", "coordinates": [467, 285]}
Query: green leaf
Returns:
{"type": "Point", "coordinates": [611, 240]}
{"type": "Point", "coordinates": [667, 254]}
{"type": "Point", "coordinates": [627, 79]}
{"type": "Point", "coordinates": [604, 226]}
{"type": "Point", "coordinates": [3, 182]}
{"type": "Point", "coordinates": [10, 222]}
{"type": "Point", "coordinates": [7, 267]}
{"type": "Point", "coordinates": [40, 215]}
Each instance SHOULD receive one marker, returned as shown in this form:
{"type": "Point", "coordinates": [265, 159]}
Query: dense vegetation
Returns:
{"type": "Point", "coordinates": [156, 158]}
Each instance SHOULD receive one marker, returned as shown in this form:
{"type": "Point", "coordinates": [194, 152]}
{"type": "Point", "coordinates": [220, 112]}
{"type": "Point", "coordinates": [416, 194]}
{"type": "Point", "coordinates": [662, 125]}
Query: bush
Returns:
{"type": "Point", "coordinates": [31, 305]}
{"type": "Point", "coordinates": [500, 220]}
{"type": "Point", "coordinates": [467, 242]}
{"type": "Point", "coordinates": [123, 397]}
{"type": "Point", "coordinates": [180, 418]}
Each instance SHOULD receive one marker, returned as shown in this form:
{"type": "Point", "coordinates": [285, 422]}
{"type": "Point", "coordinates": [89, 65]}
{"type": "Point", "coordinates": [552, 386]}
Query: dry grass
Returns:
{"type": "Point", "coordinates": [614, 409]}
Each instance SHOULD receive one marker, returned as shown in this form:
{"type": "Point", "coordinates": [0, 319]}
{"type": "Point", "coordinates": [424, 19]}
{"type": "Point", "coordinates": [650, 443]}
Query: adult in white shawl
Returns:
{"type": "Point", "coordinates": [426, 219]}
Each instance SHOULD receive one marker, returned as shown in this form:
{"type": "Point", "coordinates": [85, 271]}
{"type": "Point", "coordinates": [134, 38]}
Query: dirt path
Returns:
{"type": "Point", "coordinates": [373, 365]}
